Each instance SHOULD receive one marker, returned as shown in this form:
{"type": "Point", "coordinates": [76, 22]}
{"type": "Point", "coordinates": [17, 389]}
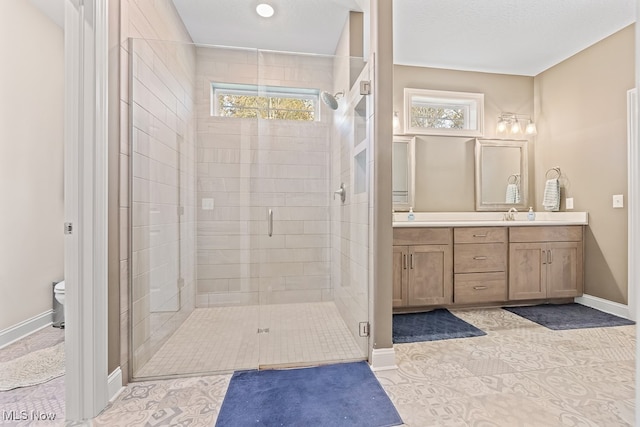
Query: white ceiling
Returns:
{"type": "Point", "coordinates": [312, 26]}
{"type": "Point", "coordinates": [521, 37]}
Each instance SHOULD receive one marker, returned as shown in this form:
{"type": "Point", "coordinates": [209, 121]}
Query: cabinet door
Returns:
{"type": "Point", "coordinates": [430, 275]}
{"type": "Point", "coordinates": [564, 269]}
{"type": "Point", "coordinates": [400, 275]}
{"type": "Point", "coordinates": [527, 271]}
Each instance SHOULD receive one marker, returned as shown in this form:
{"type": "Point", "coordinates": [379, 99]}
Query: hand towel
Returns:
{"type": "Point", "coordinates": [513, 194]}
{"type": "Point", "coordinates": [551, 199]}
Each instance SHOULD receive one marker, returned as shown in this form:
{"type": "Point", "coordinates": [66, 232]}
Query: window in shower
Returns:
{"type": "Point", "coordinates": [265, 102]}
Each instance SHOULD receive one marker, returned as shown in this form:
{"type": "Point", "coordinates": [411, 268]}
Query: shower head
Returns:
{"type": "Point", "coordinates": [331, 100]}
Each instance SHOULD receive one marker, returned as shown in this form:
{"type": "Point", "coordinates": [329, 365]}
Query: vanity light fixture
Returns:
{"type": "Point", "coordinates": [510, 122]}
{"type": "Point", "coordinates": [265, 10]}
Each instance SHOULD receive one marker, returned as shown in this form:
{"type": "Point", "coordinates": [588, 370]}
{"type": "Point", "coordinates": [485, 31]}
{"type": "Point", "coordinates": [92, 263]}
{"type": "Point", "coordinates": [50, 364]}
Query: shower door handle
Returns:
{"type": "Point", "coordinates": [270, 220]}
{"type": "Point", "coordinates": [342, 192]}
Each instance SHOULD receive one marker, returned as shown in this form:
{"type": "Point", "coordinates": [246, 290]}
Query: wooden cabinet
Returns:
{"type": "Point", "coordinates": [545, 262]}
{"type": "Point", "coordinates": [480, 264]}
{"type": "Point", "coordinates": [400, 275]}
{"type": "Point", "coordinates": [476, 265]}
{"type": "Point", "coordinates": [422, 267]}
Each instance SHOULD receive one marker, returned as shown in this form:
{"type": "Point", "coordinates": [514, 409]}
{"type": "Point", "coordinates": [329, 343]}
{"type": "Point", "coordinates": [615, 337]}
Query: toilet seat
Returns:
{"type": "Point", "coordinates": [58, 291]}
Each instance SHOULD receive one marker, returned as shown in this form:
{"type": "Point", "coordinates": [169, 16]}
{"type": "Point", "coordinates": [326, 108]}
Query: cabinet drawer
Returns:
{"type": "Point", "coordinates": [480, 235]}
{"type": "Point", "coordinates": [565, 233]}
{"type": "Point", "coordinates": [479, 258]}
{"type": "Point", "coordinates": [480, 287]}
{"type": "Point", "coordinates": [421, 236]}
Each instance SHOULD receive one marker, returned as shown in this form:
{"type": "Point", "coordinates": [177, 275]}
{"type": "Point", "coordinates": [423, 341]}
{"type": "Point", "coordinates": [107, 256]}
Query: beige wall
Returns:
{"type": "Point", "coordinates": [445, 165]}
{"type": "Point", "coordinates": [581, 116]}
{"type": "Point", "coordinates": [31, 161]}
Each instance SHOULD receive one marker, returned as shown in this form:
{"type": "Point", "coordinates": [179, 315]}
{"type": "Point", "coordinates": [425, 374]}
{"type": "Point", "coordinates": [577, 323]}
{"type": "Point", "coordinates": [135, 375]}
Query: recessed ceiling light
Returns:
{"type": "Point", "coordinates": [265, 10]}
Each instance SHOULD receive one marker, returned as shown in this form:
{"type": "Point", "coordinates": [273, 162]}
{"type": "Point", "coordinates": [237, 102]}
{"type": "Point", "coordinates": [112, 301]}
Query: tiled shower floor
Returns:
{"type": "Point", "coordinates": [226, 338]}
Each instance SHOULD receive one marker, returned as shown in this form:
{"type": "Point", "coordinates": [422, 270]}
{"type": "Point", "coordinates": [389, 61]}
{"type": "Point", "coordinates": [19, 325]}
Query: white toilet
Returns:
{"type": "Point", "coordinates": [58, 292]}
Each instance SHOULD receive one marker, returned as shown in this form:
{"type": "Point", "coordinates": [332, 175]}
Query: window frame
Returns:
{"type": "Point", "coordinates": [473, 103]}
{"type": "Point", "coordinates": [264, 91]}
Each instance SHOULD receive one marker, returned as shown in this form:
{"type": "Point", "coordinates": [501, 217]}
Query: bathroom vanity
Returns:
{"type": "Point", "coordinates": [477, 258]}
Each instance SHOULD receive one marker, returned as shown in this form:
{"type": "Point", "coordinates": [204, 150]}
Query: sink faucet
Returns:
{"type": "Point", "coordinates": [509, 215]}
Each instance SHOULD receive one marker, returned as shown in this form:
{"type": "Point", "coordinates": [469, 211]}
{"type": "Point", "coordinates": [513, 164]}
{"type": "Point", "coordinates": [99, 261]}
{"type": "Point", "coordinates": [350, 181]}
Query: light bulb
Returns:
{"type": "Point", "coordinates": [531, 128]}
{"type": "Point", "coordinates": [515, 127]}
{"type": "Point", "coordinates": [502, 126]}
{"type": "Point", "coordinates": [396, 120]}
{"type": "Point", "coordinates": [265, 10]}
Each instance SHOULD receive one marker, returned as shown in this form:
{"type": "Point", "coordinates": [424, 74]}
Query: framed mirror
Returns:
{"type": "Point", "coordinates": [403, 172]}
{"type": "Point", "coordinates": [502, 179]}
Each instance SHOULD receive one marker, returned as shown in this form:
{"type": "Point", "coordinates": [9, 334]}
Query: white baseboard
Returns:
{"type": "Point", "coordinates": [383, 359]}
{"type": "Point", "coordinates": [114, 383]}
{"type": "Point", "coordinates": [22, 329]}
{"type": "Point", "coordinates": [607, 306]}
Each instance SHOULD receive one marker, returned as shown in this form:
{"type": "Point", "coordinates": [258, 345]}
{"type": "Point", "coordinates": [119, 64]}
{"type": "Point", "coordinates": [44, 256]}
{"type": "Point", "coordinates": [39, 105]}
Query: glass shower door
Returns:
{"type": "Point", "coordinates": [308, 311]}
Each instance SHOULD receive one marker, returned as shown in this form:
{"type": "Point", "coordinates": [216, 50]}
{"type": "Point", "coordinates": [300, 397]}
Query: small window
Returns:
{"type": "Point", "coordinates": [433, 112]}
{"type": "Point", "coordinates": [265, 102]}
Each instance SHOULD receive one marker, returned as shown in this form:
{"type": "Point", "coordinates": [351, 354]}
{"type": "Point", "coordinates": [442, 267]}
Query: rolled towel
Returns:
{"type": "Point", "coordinates": [551, 199]}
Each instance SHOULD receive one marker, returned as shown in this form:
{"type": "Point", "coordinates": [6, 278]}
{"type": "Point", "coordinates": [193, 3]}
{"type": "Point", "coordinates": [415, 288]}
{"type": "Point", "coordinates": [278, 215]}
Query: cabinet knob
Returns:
{"type": "Point", "coordinates": [480, 288]}
{"type": "Point", "coordinates": [480, 258]}
{"type": "Point", "coordinates": [479, 235]}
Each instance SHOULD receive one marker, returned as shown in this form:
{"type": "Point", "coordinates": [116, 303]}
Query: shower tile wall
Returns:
{"type": "Point", "coordinates": [163, 185]}
{"type": "Point", "coordinates": [248, 166]}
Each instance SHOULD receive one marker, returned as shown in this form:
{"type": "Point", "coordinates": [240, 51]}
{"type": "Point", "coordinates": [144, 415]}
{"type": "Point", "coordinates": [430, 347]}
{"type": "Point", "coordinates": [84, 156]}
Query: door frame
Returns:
{"type": "Point", "coordinates": [86, 204]}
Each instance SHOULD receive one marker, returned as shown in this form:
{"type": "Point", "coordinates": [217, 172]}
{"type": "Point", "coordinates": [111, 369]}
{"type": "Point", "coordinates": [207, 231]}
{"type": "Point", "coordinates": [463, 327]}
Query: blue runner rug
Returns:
{"type": "Point", "coordinates": [568, 316]}
{"type": "Point", "coordinates": [346, 394]}
{"type": "Point", "coordinates": [433, 325]}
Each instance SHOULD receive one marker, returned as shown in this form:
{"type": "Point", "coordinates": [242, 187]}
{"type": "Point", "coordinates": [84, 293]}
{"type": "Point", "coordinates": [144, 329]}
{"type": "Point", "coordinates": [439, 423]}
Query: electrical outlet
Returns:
{"type": "Point", "coordinates": [618, 201]}
{"type": "Point", "coordinates": [569, 203]}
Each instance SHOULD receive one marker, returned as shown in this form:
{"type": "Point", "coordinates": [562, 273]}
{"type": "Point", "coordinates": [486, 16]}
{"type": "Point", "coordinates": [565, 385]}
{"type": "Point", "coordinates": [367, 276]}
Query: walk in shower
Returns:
{"type": "Point", "coordinates": [243, 252]}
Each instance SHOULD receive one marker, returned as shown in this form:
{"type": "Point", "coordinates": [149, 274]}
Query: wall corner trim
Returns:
{"type": "Point", "coordinates": [24, 328]}
{"type": "Point", "coordinates": [607, 306]}
{"type": "Point", "coordinates": [383, 359]}
{"type": "Point", "coordinates": [114, 384]}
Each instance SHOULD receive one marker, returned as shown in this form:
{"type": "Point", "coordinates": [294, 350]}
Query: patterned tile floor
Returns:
{"type": "Point", "coordinates": [47, 398]}
{"type": "Point", "coordinates": [298, 334]}
{"type": "Point", "coordinates": [519, 374]}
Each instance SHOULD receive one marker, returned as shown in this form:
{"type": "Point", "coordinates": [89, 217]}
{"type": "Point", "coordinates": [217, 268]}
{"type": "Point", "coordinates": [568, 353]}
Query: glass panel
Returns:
{"type": "Point", "coordinates": [162, 203]}
{"type": "Point", "coordinates": [236, 256]}
{"type": "Point", "coordinates": [292, 199]}
{"type": "Point", "coordinates": [350, 235]}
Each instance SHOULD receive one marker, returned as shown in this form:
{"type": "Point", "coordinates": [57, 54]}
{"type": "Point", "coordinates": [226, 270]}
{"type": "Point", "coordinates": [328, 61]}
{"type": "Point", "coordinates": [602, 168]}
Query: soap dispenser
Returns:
{"type": "Point", "coordinates": [531, 215]}
{"type": "Point", "coordinates": [411, 216]}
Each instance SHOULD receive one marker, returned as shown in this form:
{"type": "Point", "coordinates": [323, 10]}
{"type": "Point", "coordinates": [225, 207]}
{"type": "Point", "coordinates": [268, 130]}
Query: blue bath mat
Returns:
{"type": "Point", "coordinates": [433, 325]}
{"type": "Point", "coordinates": [346, 394]}
{"type": "Point", "coordinates": [568, 316]}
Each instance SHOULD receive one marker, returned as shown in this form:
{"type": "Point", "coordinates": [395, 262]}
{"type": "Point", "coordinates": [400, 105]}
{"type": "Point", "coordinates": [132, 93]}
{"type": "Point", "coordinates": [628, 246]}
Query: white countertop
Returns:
{"type": "Point", "coordinates": [487, 219]}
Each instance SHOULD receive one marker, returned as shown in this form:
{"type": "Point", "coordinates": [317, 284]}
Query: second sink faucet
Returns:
{"type": "Point", "coordinates": [509, 215]}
